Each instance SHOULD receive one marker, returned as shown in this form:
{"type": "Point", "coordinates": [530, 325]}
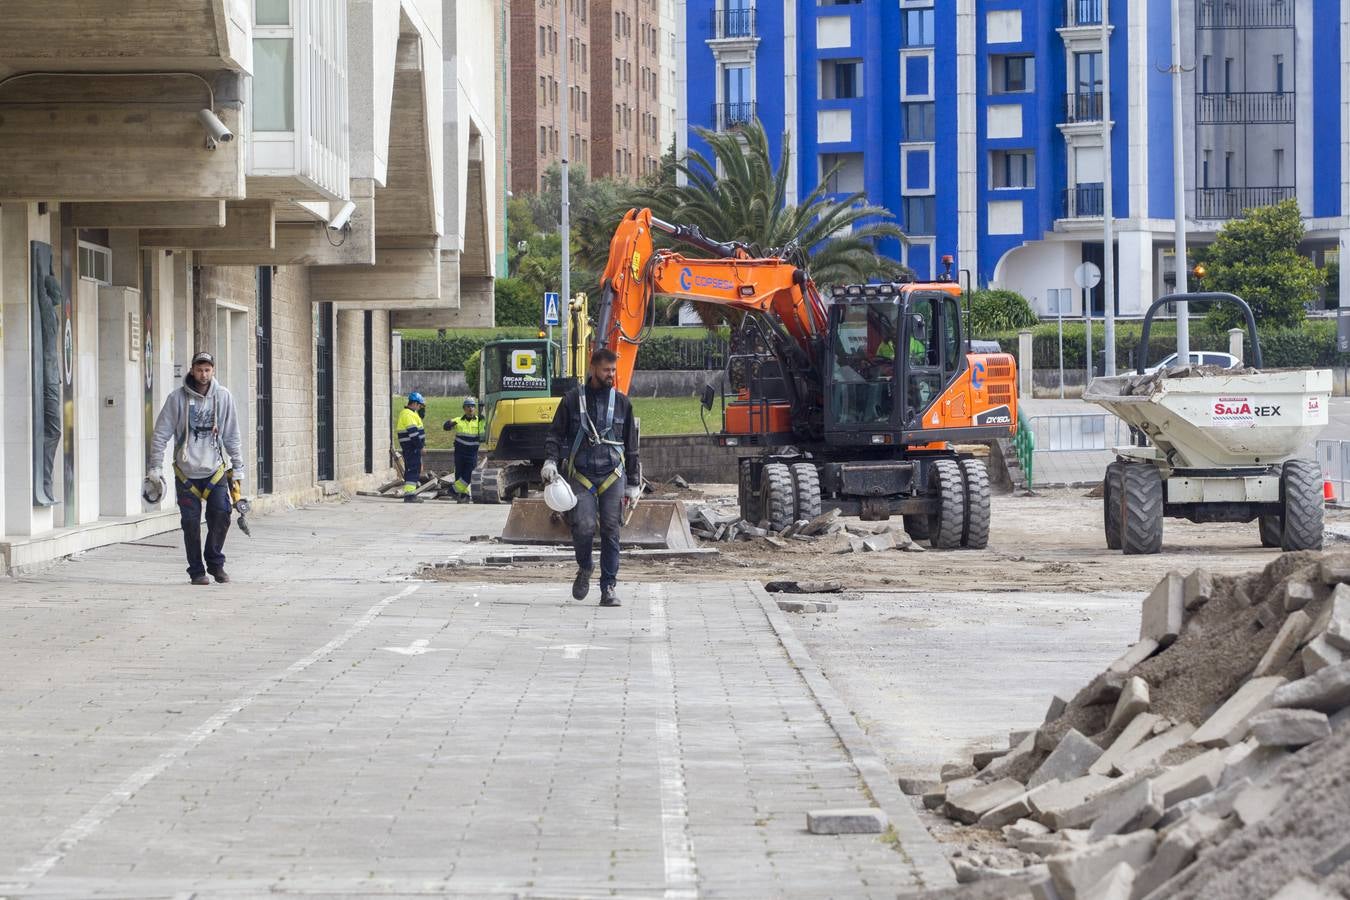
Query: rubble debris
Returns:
{"type": "Point", "coordinates": [846, 821]}
{"type": "Point", "coordinates": [1289, 727]}
{"type": "Point", "coordinates": [1163, 608]}
{"type": "Point", "coordinates": [1070, 759]}
{"type": "Point", "coordinates": [1327, 690]}
{"type": "Point", "coordinates": [1133, 700]}
{"type": "Point", "coordinates": [803, 587]}
{"type": "Point", "coordinates": [1228, 725]}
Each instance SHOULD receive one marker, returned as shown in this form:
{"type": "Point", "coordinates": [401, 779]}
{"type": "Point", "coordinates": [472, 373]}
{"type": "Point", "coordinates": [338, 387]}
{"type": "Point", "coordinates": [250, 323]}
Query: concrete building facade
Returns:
{"type": "Point", "coordinates": [537, 90]}
{"type": "Point", "coordinates": [281, 183]}
{"type": "Point", "coordinates": [979, 123]}
{"type": "Point", "coordinates": [626, 41]}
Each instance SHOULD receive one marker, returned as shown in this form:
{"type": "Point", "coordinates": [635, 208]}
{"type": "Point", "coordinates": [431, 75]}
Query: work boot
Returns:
{"type": "Point", "coordinates": [413, 498]}
{"type": "Point", "coordinates": [201, 579]}
{"type": "Point", "coordinates": [581, 585]}
{"type": "Point", "coordinates": [462, 498]}
{"type": "Point", "coordinates": [219, 575]}
{"type": "Point", "coordinates": [609, 596]}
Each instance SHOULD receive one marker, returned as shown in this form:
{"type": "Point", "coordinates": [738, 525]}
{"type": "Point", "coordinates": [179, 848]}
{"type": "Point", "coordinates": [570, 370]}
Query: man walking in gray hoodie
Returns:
{"type": "Point", "coordinates": [199, 417]}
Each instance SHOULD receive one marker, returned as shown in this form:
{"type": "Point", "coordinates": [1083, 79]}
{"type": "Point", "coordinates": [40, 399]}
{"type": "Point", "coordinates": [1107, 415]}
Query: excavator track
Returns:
{"type": "Point", "coordinates": [494, 482]}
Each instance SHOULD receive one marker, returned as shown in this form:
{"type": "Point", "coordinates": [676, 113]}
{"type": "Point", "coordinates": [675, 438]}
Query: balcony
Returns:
{"type": "Point", "coordinates": [1081, 13]}
{"type": "Point", "coordinates": [1229, 203]}
{"type": "Point", "coordinates": [1244, 14]}
{"type": "Point", "coordinates": [1083, 107]}
{"type": "Point", "coordinates": [1083, 201]}
{"type": "Point", "coordinates": [1248, 108]}
{"type": "Point", "coordinates": [729, 24]}
{"type": "Point", "coordinates": [733, 115]}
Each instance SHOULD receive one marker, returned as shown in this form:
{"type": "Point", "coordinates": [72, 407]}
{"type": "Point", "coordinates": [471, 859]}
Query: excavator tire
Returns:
{"type": "Point", "coordinates": [780, 502]}
{"type": "Point", "coordinates": [1271, 529]}
{"type": "Point", "coordinates": [916, 527]}
{"type": "Point", "coordinates": [806, 480]}
{"type": "Point", "coordinates": [1301, 495]}
{"type": "Point", "coordinates": [975, 536]}
{"type": "Point", "coordinates": [1141, 509]}
{"type": "Point", "coordinates": [948, 524]}
{"type": "Point", "coordinates": [751, 507]}
{"type": "Point", "coordinates": [1111, 488]}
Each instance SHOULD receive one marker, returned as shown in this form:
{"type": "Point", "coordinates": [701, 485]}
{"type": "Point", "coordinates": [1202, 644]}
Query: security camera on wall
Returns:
{"type": "Point", "coordinates": [216, 130]}
{"type": "Point", "coordinates": [343, 217]}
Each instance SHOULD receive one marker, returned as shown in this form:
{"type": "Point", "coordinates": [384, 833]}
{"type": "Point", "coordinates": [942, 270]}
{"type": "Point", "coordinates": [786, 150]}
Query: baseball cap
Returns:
{"type": "Point", "coordinates": [203, 357]}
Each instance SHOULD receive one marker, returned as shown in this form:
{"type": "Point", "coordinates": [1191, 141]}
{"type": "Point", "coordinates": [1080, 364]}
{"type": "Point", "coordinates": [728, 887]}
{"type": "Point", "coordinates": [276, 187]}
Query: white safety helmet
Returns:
{"type": "Point", "coordinates": [558, 495]}
{"type": "Point", "coordinates": [153, 488]}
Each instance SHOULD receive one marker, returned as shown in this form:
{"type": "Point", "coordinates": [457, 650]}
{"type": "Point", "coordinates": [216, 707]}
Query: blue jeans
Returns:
{"type": "Point", "coordinates": [604, 510]}
{"type": "Point", "coordinates": [217, 522]}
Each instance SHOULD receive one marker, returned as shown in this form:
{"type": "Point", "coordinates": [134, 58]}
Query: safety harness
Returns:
{"type": "Point", "coordinates": [596, 437]}
{"type": "Point", "coordinates": [202, 494]}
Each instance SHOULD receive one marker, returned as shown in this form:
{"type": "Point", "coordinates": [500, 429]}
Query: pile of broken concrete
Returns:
{"type": "Point", "coordinates": [1212, 759]}
{"type": "Point", "coordinates": [712, 522]}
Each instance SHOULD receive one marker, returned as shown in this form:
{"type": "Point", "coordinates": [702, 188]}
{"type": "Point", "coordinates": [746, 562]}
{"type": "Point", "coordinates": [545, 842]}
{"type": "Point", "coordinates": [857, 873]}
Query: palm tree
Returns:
{"type": "Point", "coordinates": [835, 240]}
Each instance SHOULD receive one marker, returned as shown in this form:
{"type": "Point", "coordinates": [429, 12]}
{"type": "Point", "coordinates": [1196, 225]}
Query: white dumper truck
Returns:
{"type": "Point", "coordinates": [1217, 446]}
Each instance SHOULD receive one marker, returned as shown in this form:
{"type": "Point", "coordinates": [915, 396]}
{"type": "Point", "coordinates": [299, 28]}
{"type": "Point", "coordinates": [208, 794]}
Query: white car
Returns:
{"type": "Point", "coordinates": [1198, 358]}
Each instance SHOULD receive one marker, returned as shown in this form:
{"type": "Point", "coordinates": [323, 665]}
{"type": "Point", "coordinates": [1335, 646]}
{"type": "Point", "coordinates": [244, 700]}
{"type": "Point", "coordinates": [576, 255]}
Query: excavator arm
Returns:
{"type": "Point", "coordinates": [636, 272]}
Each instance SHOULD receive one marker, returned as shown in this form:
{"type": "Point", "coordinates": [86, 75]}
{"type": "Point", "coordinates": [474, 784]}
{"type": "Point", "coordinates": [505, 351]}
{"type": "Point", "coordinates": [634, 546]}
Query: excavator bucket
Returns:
{"type": "Point", "coordinates": [655, 525]}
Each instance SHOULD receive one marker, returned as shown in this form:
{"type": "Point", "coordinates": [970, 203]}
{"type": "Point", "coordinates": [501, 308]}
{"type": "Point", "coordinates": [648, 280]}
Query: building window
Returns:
{"type": "Point", "coordinates": [917, 27]}
{"type": "Point", "coordinates": [1012, 169]}
{"type": "Point", "coordinates": [842, 173]}
{"type": "Point", "coordinates": [1279, 166]}
{"type": "Point", "coordinates": [920, 215]}
{"type": "Point", "coordinates": [1204, 170]}
{"type": "Point", "coordinates": [1011, 74]}
{"type": "Point", "coordinates": [543, 91]}
{"type": "Point", "coordinates": [1228, 170]}
{"type": "Point", "coordinates": [1228, 75]}
{"type": "Point", "coordinates": [273, 84]}
{"type": "Point", "coordinates": [919, 121]}
{"type": "Point", "coordinates": [1279, 73]}
{"type": "Point", "coordinates": [840, 79]}
{"type": "Point", "coordinates": [1204, 74]}
{"type": "Point", "coordinates": [543, 140]}
{"type": "Point", "coordinates": [543, 41]}
{"type": "Point", "coordinates": [736, 84]}
{"type": "Point", "coordinates": [95, 262]}
{"type": "Point", "coordinates": [1088, 68]}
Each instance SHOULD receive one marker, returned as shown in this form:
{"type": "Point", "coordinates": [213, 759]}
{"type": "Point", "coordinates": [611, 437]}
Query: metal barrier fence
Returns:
{"type": "Point", "coordinates": [1334, 457]}
{"type": "Point", "coordinates": [1078, 431]}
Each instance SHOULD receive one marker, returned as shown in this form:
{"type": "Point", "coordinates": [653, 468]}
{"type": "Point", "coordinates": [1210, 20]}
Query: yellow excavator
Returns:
{"type": "Point", "coordinates": [520, 382]}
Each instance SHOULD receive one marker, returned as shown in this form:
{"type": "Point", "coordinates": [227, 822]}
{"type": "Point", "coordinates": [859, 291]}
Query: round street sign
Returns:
{"type": "Point", "coordinates": [1087, 276]}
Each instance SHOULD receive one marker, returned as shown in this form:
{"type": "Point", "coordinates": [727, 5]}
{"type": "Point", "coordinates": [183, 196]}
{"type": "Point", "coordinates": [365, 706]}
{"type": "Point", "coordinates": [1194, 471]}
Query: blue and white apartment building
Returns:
{"type": "Point", "coordinates": [978, 123]}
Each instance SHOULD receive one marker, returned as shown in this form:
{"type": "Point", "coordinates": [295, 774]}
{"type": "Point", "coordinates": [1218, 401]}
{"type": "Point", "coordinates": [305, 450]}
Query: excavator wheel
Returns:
{"type": "Point", "coordinates": [1111, 487]}
{"type": "Point", "coordinates": [948, 523]}
{"type": "Point", "coordinates": [1271, 529]}
{"type": "Point", "coordinates": [917, 527]}
{"type": "Point", "coordinates": [1141, 509]}
{"type": "Point", "coordinates": [1301, 495]}
{"type": "Point", "coordinates": [780, 502]}
{"type": "Point", "coordinates": [976, 533]}
{"type": "Point", "coordinates": [752, 509]}
{"type": "Point", "coordinates": [806, 480]}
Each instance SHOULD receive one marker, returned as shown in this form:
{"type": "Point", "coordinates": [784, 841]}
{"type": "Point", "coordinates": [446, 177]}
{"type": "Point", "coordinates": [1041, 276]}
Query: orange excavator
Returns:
{"type": "Point", "coordinates": [854, 403]}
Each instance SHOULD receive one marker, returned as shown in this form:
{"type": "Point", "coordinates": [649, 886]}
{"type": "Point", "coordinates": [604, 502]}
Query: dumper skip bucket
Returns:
{"type": "Point", "coordinates": [655, 525]}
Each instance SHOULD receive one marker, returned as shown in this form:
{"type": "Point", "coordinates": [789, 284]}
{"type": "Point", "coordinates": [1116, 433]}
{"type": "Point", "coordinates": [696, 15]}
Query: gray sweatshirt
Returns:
{"type": "Point", "coordinates": [203, 428]}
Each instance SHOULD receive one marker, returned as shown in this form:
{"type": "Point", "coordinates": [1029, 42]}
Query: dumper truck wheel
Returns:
{"type": "Point", "coordinates": [976, 533]}
{"type": "Point", "coordinates": [752, 509]}
{"type": "Point", "coordinates": [947, 486]}
{"type": "Point", "coordinates": [780, 501]}
{"type": "Point", "coordinates": [1301, 495]}
{"type": "Point", "coordinates": [806, 481]}
{"type": "Point", "coordinates": [1141, 509]}
{"type": "Point", "coordinates": [1271, 529]}
{"type": "Point", "coordinates": [1111, 488]}
{"type": "Point", "coordinates": [917, 527]}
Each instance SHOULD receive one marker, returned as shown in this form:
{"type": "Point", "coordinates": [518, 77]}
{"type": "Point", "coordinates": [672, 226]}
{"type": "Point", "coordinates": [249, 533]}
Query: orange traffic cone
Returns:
{"type": "Point", "coordinates": [1328, 492]}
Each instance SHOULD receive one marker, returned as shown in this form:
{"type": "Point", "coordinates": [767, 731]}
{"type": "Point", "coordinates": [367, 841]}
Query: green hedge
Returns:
{"type": "Point", "coordinates": [1312, 344]}
{"type": "Point", "coordinates": [453, 352]}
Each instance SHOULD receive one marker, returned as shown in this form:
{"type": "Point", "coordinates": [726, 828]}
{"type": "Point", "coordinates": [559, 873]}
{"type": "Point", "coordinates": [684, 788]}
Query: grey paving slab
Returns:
{"type": "Point", "coordinates": [325, 726]}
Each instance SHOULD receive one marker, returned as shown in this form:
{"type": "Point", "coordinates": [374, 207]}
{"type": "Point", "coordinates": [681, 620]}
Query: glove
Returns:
{"type": "Point", "coordinates": [549, 471]}
{"type": "Point", "coordinates": [448, 425]}
{"type": "Point", "coordinates": [632, 493]}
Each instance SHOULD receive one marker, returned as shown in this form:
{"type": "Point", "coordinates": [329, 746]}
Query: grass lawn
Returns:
{"type": "Point", "coordinates": [661, 415]}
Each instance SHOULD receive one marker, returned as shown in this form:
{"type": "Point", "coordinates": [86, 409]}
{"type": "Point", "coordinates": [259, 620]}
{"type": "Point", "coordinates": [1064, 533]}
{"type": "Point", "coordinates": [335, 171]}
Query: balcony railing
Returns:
{"type": "Point", "coordinates": [1247, 108]}
{"type": "Point", "coordinates": [1244, 14]}
{"type": "Point", "coordinates": [733, 115]}
{"type": "Point", "coordinates": [1078, 13]}
{"type": "Point", "coordinates": [1229, 203]}
{"type": "Point", "coordinates": [734, 23]}
{"type": "Point", "coordinates": [1083, 107]}
{"type": "Point", "coordinates": [1082, 201]}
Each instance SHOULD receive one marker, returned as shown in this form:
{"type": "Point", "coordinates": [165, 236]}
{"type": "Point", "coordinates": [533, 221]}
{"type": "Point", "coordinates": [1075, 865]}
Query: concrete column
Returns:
{"type": "Point", "coordinates": [967, 132]}
{"type": "Point", "coordinates": [121, 432]}
{"type": "Point", "coordinates": [1235, 336]}
{"type": "Point", "coordinates": [19, 223]}
{"type": "Point", "coordinates": [180, 354]}
{"type": "Point", "coordinates": [1134, 275]}
{"type": "Point", "coordinates": [1024, 367]}
{"type": "Point", "coordinates": [395, 363]}
{"type": "Point", "coordinates": [87, 403]}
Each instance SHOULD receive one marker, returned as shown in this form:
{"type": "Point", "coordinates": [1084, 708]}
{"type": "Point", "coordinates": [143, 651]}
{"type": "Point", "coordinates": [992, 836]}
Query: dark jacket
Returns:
{"type": "Point", "coordinates": [601, 460]}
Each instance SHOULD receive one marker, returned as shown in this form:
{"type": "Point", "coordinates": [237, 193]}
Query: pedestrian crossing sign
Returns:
{"type": "Point", "coordinates": [551, 316]}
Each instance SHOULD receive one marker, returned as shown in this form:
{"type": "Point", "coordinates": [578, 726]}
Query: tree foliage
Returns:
{"type": "Point", "coordinates": [1256, 257]}
{"type": "Point", "coordinates": [992, 311]}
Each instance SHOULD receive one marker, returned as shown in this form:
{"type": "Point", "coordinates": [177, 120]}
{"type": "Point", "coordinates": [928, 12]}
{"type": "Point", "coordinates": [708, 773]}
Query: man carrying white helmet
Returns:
{"type": "Point", "coordinates": [595, 438]}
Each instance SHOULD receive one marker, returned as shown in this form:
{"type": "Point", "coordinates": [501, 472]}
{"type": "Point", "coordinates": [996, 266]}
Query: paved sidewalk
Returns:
{"type": "Point", "coordinates": [324, 727]}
